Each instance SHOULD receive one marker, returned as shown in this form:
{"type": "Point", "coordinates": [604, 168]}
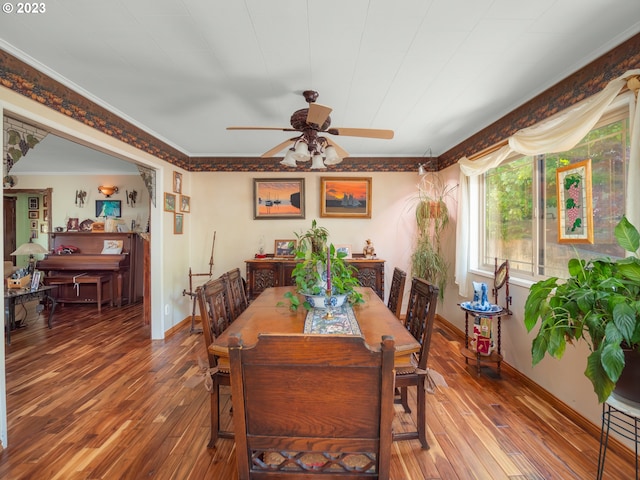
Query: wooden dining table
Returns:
{"type": "Point", "coordinates": [270, 313]}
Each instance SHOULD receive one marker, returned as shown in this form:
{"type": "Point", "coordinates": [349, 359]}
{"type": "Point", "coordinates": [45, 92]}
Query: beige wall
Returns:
{"type": "Point", "coordinates": [222, 202]}
{"type": "Point", "coordinates": [63, 204]}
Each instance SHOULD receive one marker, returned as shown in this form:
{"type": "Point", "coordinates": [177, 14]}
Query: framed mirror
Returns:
{"type": "Point", "coordinates": [501, 275]}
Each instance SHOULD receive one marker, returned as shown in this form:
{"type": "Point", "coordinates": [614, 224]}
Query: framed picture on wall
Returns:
{"type": "Point", "coordinates": [34, 224]}
{"type": "Point", "coordinates": [185, 203]}
{"type": "Point", "coordinates": [34, 203]}
{"type": "Point", "coordinates": [169, 202]}
{"type": "Point", "coordinates": [278, 198]}
{"type": "Point", "coordinates": [345, 197]}
{"type": "Point", "coordinates": [34, 214]}
{"type": "Point", "coordinates": [109, 208]}
{"type": "Point", "coordinates": [177, 182]}
{"type": "Point", "coordinates": [178, 223]}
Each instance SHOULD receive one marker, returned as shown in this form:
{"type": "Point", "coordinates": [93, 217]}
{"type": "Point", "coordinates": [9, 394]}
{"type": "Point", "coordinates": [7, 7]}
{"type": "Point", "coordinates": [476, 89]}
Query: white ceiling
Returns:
{"type": "Point", "coordinates": [434, 71]}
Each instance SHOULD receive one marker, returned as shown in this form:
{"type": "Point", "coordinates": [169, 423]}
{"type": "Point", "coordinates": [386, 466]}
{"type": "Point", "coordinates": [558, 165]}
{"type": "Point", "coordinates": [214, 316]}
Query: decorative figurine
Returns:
{"type": "Point", "coordinates": [368, 250]}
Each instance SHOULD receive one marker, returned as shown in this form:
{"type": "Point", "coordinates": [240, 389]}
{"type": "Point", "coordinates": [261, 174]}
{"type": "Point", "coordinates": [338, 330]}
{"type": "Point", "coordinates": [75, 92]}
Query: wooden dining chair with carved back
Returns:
{"type": "Point", "coordinates": [237, 292]}
{"type": "Point", "coordinates": [396, 292]}
{"type": "Point", "coordinates": [320, 404]}
{"type": "Point", "coordinates": [419, 320]}
{"type": "Point", "coordinates": [214, 312]}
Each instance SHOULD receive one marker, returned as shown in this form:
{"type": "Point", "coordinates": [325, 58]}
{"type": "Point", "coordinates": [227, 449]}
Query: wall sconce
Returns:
{"type": "Point", "coordinates": [80, 196]}
{"type": "Point", "coordinates": [107, 190]}
{"type": "Point", "coordinates": [421, 170]}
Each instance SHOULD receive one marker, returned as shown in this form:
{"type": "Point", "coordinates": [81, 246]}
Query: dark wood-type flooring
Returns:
{"type": "Point", "coordinates": [94, 398]}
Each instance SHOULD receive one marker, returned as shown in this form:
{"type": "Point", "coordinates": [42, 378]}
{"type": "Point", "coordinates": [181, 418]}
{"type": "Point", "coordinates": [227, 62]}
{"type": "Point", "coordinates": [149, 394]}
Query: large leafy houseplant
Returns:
{"type": "Point", "coordinates": [599, 303]}
{"type": "Point", "coordinates": [309, 274]}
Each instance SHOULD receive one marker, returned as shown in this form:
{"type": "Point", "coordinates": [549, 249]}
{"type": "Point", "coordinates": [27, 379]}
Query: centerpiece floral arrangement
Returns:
{"type": "Point", "coordinates": [321, 276]}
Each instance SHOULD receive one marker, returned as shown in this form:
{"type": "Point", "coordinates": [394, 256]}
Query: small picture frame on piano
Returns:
{"type": "Point", "coordinates": [73, 225]}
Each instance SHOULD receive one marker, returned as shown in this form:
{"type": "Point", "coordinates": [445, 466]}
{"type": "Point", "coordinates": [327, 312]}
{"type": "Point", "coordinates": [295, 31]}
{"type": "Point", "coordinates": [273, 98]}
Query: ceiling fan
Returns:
{"type": "Point", "coordinates": [309, 144]}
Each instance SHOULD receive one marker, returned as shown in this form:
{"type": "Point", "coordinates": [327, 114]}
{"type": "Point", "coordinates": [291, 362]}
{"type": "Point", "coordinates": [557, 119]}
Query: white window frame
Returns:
{"type": "Point", "coordinates": [626, 101]}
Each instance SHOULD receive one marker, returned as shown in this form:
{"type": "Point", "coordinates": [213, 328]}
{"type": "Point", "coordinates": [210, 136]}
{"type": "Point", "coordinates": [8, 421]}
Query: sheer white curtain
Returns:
{"type": "Point", "coordinates": [555, 134]}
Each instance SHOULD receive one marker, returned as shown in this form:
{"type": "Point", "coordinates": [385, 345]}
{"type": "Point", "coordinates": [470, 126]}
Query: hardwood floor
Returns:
{"type": "Point", "coordinates": [94, 398]}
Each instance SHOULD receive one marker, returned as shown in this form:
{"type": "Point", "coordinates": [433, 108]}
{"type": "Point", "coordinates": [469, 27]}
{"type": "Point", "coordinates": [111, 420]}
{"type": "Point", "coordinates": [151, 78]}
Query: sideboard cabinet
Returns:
{"type": "Point", "coordinates": [276, 272]}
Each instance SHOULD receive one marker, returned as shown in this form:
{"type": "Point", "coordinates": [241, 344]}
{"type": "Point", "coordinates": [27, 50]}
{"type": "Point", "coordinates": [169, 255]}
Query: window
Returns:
{"type": "Point", "coordinates": [513, 228]}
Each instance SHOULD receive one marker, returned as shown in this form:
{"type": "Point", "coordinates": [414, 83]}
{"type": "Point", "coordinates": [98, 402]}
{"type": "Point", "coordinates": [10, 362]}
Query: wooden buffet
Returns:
{"type": "Point", "coordinates": [263, 273]}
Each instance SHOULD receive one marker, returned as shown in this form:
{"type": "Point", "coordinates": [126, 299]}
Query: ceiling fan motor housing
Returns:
{"type": "Point", "coordinates": [299, 121]}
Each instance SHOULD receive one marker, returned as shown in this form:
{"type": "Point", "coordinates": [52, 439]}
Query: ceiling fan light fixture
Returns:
{"type": "Point", "coordinates": [331, 156]}
{"type": "Point", "coordinates": [289, 159]}
{"type": "Point", "coordinates": [317, 162]}
{"type": "Point", "coordinates": [301, 153]}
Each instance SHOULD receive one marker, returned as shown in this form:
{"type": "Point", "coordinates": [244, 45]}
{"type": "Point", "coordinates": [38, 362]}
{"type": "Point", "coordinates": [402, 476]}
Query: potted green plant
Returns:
{"type": "Point", "coordinates": [432, 218]}
{"type": "Point", "coordinates": [310, 273]}
{"type": "Point", "coordinates": [600, 304]}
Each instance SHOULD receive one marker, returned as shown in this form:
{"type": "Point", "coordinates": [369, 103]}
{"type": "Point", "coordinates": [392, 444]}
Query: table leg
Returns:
{"type": "Point", "coordinates": [53, 307]}
{"type": "Point", "coordinates": [9, 318]}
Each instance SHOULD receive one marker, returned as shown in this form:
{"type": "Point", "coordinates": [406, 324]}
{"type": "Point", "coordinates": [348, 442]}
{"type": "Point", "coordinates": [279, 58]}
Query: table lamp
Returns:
{"type": "Point", "coordinates": [30, 249]}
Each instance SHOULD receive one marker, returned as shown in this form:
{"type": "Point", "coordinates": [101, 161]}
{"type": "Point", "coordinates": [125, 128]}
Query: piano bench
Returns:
{"type": "Point", "coordinates": [67, 293]}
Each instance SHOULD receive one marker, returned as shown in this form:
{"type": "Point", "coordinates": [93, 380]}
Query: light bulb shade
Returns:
{"type": "Point", "coordinates": [107, 190]}
{"type": "Point", "coordinates": [331, 156]}
{"type": "Point", "coordinates": [421, 170]}
{"type": "Point", "coordinates": [30, 248]}
{"type": "Point", "coordinates": [289, 159]}
{"type": "Point", "coordinates": [317, 163]}
{"type": "Point", "coordinates": [301, 153]}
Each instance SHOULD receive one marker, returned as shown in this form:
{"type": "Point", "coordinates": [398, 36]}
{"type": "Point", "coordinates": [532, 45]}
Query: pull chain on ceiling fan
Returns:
{"type": "Point", "coordinates": [309, 145]}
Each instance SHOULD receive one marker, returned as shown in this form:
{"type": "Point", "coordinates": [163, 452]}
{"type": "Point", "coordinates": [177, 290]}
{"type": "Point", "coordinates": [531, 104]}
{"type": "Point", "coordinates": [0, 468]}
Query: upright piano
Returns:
{"type": "Point", "coordinates": [125, 268]}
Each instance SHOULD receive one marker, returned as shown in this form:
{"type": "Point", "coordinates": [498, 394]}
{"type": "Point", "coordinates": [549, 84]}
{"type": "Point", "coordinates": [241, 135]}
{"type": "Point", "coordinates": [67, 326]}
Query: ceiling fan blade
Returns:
{"type": "Point", "coordinates": [317, 114]}
{"type": "Point", "coordinates": [362, 132]}
{"type": "Point", "coordinates": [341, 151]}
{"type": "Point", "coordinates": [277, 148]}
{"type": "Point", "coordinates": [282, 129]}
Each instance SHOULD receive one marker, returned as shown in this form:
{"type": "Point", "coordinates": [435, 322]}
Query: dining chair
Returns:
{"type": "Point", "coordinates": [214, 312]}
{"type": "Point", "coordinates": [397, 291]}
{"type": "Point", "coordinates": [236, 292]}
{"type": "Point", "coordinates": [320, 404]}
{"type": "Point", "coordinates": [421, 311]}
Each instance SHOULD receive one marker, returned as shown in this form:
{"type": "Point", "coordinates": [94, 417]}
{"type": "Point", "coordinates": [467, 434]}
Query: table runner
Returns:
{"type": "Point", "coordinates": [343, 321]}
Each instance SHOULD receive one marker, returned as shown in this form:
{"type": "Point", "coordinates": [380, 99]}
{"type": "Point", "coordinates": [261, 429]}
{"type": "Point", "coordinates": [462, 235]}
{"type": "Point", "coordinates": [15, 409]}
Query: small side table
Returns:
{"type": "Point", "coordinates": [496, 355]}
{"type": "Point", "coordinates": [623, 418]}
{"type": "Point", "coordinates": [19, 296]}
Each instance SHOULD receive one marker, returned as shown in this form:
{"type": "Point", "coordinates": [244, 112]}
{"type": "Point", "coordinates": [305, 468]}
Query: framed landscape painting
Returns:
{"type": "Point", "coordinates": [345, 197]}
{"type": "Point", "coordinates": [278, 198]}
{"type": "Point", "coordinates": [575, 212]}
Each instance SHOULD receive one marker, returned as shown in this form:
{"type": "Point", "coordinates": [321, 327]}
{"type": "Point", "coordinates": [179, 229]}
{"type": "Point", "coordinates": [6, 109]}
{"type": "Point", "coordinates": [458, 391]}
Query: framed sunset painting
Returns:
{"type": "Point", "coordinates": [278, 198]}
{"type": "Point", "coordinates": [345, 197]}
